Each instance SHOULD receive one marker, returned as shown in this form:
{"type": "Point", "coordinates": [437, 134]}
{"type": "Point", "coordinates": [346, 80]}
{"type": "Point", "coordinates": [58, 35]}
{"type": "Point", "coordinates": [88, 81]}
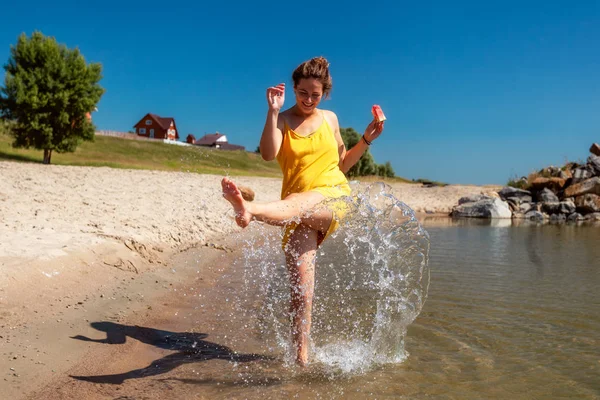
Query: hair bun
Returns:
{"type": "Point", "coordinates": [321, 61]}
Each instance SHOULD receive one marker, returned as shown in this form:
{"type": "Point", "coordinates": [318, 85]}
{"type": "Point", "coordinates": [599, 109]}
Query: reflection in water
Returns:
{"type": "Point", "coordinates": [532, 251]}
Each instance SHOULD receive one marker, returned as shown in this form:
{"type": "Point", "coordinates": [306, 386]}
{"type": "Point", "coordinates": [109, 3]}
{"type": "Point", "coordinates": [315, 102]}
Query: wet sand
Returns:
{"type": "Point", "coordinates": [170, 343]}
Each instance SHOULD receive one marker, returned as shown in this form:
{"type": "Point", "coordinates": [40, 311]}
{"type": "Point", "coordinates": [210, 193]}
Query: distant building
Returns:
{"type": "Point", "coordinates": [190, 139]}
{"type": "Point", "coordinates": [216, 140]}
{"type": "Point", "coordinates": [154, 127]}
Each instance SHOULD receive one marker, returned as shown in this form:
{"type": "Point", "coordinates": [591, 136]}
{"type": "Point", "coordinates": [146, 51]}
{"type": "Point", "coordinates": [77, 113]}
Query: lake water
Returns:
{"type": "Point", "coordinates": [513, 311]}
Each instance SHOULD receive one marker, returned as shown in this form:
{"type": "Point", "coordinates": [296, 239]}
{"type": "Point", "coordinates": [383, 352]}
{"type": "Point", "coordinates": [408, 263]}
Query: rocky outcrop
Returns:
{"type": "Point", "coordinates": [570, 193]}
{"type": "Point", "coordinates": [487, 207]}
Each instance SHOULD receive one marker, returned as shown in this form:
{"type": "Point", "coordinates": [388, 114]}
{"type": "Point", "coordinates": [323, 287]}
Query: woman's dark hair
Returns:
{"type": "Point", "coordinates": [317, 68]}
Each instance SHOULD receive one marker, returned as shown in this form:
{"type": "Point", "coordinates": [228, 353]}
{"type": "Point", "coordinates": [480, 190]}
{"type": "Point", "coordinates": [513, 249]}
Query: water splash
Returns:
{"type": "Point", "coordinates": [371, 283]}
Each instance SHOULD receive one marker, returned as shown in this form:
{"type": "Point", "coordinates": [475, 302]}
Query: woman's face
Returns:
{"type": "Point", "coordinates": [309, 92]}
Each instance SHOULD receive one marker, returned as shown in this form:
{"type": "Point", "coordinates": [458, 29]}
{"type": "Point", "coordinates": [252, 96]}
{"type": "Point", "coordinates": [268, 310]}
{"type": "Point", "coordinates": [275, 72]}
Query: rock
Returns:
{"type": "Point", "coordinates": [554, 184]}
{"type": "Point", "coordinates": [581, 174]}
{"type": "Point", "coordinates": [567, 207]}
{"type": "Point", "coordinates": [471, 199]}
{"type": "Point", "coordinates": [508, 191]}
{"type": "Point", "coordinates": [575, 217]}
{"type": "Point", "coordinates": [591, 185]}
{"type": "Point", "coordinates": [588, 203]}
{"type": "Point", "coordinates": [516, 200]}
{"type": "Point", "coordinates": [534, 215]}
{"type": "Point", "coordinates": [518, 215]}
{"type": "Point", "coordinates": [486, 208]}
{"type": "Point", "coordinates": [547, 196]}
{"type": "Point", "coordinates": [551, 207]}
{"type": "Point", "coordinates": [558, 218]}
{"type": "Point", "coordinates": [594, 162]}
{"type": "Point", "coordinates": [525, 207]}
{"type": "Point", "coordinates": [593, 217]}
{"type": "Point", "coordinates": [565, 174]}
{"type": "Point", "coordinates": [247, 193]}
{"type": "Point", "coordinates": [595, 149]}
{"type": "Point", "coordinates": [513, 203]}
{"type": "Point", "coordinates": [563, 207]}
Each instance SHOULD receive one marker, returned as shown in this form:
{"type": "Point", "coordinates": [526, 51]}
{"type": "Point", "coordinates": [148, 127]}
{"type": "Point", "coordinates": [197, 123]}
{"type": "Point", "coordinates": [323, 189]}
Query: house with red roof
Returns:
{"type": "Point", "coordinates": [154, 127]}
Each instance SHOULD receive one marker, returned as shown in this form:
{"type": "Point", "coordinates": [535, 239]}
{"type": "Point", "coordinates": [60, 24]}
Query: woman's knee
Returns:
{"type": "Point", "coordinates": [303, 296]}
{"type": "Point", "coordinates": [304, 201]}
{"type": "Point", "coordinates": [301, 241]}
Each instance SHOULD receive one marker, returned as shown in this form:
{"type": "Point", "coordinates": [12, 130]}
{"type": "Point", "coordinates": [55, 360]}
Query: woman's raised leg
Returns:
{"type": "Point", "coordinates": [297, 205]}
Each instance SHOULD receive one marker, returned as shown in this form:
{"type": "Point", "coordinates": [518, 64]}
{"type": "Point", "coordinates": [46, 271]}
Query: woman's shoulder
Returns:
{"type": "Point", "coordinates": [284, 117]}
{"type": "Point", "coordinates": [331, 117]}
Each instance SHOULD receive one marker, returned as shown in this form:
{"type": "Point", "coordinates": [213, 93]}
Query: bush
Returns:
{"type": "Point", "coordinates": [429, 182]}
{"type": "Point", "coordinates": [519, 183]}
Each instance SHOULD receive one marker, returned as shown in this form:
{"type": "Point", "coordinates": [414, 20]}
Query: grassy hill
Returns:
{"type": "Point", "coordinates": [114, 152]}
{"type": "Point", "coordinates": [137, 154]}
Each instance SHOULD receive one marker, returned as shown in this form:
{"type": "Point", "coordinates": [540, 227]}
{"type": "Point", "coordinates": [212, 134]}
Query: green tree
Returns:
{"type": "Point", "coordinates": [366, 164]}
{"type": "Point", "coordinates": [48, 91]}
{"type": "Point", "coordinates": [389, 171]}
{"type": "Point", "coordinates": [5, 127]}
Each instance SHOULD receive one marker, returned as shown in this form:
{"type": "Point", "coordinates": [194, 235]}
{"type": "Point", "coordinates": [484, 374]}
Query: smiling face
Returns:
{"type": "Point", "coordinates": [309, 92]}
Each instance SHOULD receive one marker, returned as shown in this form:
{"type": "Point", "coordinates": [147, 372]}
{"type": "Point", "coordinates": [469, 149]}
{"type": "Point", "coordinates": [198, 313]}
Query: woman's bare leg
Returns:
{"type": "Point", "coordinates": [300, 250]}
{"type": "Point", "coordinates": [278, 212]}
{"type": "Point", "coordinates": [300, 259]}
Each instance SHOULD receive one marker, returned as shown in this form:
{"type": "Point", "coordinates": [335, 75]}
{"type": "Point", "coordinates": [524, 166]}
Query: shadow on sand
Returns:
{"type": "Point", "coordinates": [190, 347]}
{"type": "Point", "coordinates": [19, 157]}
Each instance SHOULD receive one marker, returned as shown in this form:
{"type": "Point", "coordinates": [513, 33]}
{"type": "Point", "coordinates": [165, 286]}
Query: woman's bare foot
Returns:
{"type": "Point", "coordinates": [302, 358]}
{"type": "Point", "coordinates": [301, 347]}
{"type": "Point", "coordinates": [233, 195]}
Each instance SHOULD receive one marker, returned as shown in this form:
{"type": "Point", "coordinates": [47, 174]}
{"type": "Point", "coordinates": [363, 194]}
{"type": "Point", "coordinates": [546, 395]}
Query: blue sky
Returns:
{"type": "Point", "coordinates": [475, 92]}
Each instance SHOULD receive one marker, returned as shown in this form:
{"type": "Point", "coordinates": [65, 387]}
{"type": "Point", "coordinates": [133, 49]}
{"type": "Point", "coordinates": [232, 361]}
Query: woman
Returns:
{"type": "Point", "coordinates": [306, 142]}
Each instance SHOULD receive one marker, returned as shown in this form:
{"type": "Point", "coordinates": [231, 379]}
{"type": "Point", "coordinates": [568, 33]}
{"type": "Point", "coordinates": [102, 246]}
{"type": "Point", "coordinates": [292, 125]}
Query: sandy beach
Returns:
{"type": "Point", "coordinates": [73, 237]}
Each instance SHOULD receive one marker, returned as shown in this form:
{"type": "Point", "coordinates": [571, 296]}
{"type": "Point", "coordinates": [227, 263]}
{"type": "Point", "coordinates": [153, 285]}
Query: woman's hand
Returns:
{"type": "Point", "coordinates": [373, 130]}
{"type": "Point", "coordinates": [276, 97]}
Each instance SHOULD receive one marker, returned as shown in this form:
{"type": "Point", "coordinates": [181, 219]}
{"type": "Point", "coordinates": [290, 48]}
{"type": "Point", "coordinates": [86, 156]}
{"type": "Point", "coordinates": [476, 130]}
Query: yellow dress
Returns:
{"type": "Point", "coordinates": [311, 163]}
